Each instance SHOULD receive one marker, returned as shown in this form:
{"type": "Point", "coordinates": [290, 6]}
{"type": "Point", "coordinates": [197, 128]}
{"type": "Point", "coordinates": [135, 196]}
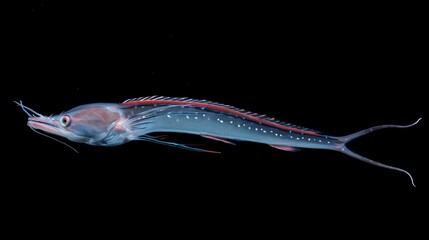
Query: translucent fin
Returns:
{"type": "Point", "coordinates": [341, 147]}
{"type": "Point", "coordinates": [347, 151]}
{"type": "Point", "coordinates": [173, 144]}
{"type": "Point", "coordinates": [140, 120]}
{"type": "Point", "coordinates": [285, 148]}
{"type": "Point", "coordinates": [353, 136]}
{"type": "Point", "coordinates": [218, 139]}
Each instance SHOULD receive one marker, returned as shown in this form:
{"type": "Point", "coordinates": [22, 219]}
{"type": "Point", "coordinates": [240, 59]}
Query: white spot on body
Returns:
{"type": "Point", "coordinates": [231, 122]}
{"type": "Point", "coordinates": [320, 140]}
{"type": "Point", "coordinates": [276, 134]}
{"type": "Point", "coordinates": [204, 115]}
{"type": "Point", "coordinates": [187, 117]}
{"type": "Point", "coordinates": [238, 125]}
{"type": "Point", "coordinates": [196, 117]}
{"type": "Point", "coordinates": [168, 116]}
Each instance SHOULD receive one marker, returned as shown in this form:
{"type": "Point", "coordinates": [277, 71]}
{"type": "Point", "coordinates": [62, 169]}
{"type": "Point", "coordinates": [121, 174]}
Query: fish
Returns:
{"type": "Point", "coordinates": [137, 119]}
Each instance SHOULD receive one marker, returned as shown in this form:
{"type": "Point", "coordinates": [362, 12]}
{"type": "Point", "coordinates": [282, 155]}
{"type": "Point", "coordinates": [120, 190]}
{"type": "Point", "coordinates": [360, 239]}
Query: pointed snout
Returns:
{"type": "Point", "coordinates": [45, 124]}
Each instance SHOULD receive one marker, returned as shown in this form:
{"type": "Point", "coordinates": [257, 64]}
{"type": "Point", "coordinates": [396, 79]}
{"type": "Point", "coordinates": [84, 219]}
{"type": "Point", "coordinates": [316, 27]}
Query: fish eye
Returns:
{"type": "Point", "coordinates": [65, 121]}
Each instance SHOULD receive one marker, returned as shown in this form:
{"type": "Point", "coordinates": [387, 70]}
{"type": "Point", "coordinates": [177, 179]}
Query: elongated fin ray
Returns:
{"type": "Point", "coordinates": [218, 139]}
{"type": "Point", "coordinates": [347, 151]}
{"type": "Point", "coordinates": [353, 136]}
{"type": "Point", "coordinates": [173, 144]}
{"type": "Point", "coordinates": [25, 108]}
{"type": "Point", "coordinates": [345, 139]}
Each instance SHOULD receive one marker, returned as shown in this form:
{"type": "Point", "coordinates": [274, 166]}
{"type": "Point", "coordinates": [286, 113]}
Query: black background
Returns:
{"type": "Point", "coordinates": [337, 69]}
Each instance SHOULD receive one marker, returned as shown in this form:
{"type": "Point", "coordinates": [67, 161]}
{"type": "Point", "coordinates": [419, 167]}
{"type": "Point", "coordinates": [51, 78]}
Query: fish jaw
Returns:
{"type": "Point", "coordinates": [50, 125]}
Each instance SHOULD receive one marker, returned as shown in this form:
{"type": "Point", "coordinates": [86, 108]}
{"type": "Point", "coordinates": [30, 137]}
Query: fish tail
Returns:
{"type": "Point", "coordinates": [341, 146]}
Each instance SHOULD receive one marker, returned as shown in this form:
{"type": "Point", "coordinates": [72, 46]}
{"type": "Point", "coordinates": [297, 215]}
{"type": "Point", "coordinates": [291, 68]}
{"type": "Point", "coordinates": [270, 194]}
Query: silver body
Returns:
{"type": "Point", "coordinates": [195, 120]}
{"type": "Point", "coordinates": [111, 124]}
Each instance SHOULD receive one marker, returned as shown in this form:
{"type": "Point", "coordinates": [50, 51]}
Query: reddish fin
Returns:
{"type": "Point", "coordinates": [285, 148]}
{"type": "Point", "coordinates": [218, 139]}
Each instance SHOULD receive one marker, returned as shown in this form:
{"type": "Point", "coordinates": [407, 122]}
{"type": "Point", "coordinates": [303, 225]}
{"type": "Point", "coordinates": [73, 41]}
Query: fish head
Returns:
{"type": "Point", "coordinates": [89, 123]}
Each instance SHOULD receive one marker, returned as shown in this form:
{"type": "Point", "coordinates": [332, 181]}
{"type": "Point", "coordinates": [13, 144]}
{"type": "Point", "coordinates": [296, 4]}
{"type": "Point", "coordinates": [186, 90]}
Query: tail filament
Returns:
{"type": "Point", "coordinates": [345, 139]}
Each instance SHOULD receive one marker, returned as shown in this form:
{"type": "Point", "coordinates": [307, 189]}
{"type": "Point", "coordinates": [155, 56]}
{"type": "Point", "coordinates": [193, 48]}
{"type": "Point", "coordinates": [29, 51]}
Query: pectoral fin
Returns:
{"type": "Point", "coordinates": [218, 139]}
{"type": "Point", "coordinates": [173, 144]}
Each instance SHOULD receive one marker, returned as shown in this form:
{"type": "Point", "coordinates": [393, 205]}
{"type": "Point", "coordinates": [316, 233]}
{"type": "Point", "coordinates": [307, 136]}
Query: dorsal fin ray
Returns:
{"type": "Point", "coordinates": [219, 107]}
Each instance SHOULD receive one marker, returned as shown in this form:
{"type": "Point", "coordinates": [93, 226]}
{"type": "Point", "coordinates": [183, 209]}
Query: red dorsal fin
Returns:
{"type": "Point", "coordinates": [160, 100]}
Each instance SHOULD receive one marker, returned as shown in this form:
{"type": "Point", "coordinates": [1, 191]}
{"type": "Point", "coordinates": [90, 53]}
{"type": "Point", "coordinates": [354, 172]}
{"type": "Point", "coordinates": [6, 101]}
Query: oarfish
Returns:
{"type": "Point", "coordinates": [112, 124]}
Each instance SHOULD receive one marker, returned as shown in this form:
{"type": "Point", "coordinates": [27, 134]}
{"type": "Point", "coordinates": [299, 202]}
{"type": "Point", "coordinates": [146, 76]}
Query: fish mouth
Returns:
{"type": "Point", "coordinates": [48, 125]}
{"type": "Point", "coordinates": [45, 125]}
